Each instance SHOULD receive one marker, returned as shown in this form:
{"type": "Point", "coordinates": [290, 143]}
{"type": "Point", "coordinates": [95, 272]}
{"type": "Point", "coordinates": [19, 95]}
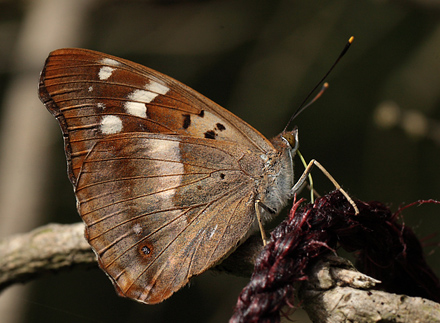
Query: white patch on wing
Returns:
{"type": "Point", "coordinates": [101, 105]}
{"type": "Point", "coordinates": [138, 98]}
{"type": "Point", "coordinates": [142, 96]}
{"type": "Point", "coordinates": [105, 72]}
{"type": "Point", "coordinates": [110, 125]}
{"type": "Point", "coordinates": [109, 61]}
{"type": "Point", "coordinates": [167, 150]}
{"type": "Point", "coordinates": [137, 109]}
{"type": "Point", "coordinates": [90, 88]}
{"type": "Point", "coordinates": [157, 88]}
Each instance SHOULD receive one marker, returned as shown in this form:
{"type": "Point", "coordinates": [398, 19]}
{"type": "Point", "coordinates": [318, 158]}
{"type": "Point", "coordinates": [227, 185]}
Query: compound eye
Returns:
{"type": "Point", "coordinates": [292, 138]}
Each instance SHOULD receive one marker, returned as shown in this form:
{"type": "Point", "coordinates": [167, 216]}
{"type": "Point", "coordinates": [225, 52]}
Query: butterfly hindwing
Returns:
{"type": "Point", "coordinates": [155, 217]}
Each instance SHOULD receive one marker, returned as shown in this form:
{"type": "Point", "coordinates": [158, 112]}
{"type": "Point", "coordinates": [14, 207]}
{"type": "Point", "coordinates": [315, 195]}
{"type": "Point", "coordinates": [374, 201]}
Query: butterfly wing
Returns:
{"type": "Point", "coordinates": [165, 179]}
{"type": "Point", "coordinates": [93, 95]}
{"type": "Point", "coordinates": [161, 208]}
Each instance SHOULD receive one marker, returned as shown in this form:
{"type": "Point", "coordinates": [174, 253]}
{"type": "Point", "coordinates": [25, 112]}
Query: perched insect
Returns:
{"type": "Point", "coordinates": [167, 182]}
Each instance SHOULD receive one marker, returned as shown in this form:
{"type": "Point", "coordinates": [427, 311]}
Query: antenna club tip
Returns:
{"type": "Point", "coordinates": [351, 39]}
{"type": "Point", "coordinates": [325, 85]}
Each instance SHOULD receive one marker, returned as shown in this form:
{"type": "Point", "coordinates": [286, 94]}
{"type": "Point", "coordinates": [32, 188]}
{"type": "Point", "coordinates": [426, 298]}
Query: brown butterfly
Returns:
{"type": "Point", "coordinates": [167, 182]}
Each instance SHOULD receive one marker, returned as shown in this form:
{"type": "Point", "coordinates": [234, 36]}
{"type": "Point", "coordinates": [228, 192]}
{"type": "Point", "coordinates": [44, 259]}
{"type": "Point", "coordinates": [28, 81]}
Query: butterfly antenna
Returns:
{"type": "Point", "coordinates": [303, 104]}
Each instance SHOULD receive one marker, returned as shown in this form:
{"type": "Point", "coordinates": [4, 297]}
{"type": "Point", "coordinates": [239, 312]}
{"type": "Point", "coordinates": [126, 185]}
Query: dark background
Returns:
{"type": "Point", "coordinates": [259, 59]}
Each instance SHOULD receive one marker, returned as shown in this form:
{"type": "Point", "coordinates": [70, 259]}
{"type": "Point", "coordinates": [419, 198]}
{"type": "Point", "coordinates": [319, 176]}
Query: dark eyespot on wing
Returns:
{"type": "Point", "coordinates": [145, 250]}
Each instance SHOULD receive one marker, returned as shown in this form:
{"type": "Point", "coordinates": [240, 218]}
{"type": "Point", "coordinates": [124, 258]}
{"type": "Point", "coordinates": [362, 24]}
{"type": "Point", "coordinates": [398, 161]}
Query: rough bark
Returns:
{"type": "Point", "coordinates": [335, 291]}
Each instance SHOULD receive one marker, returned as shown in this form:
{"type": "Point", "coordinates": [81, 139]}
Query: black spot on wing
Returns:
{"type": "Point", "coordinates": [186, 121]}
{"type": "Point", "coordinates": [201, 114]}
{"type": "Point", "coordinates": [210, 134]}
{"type": "Point", "coordinates": [220, 127]}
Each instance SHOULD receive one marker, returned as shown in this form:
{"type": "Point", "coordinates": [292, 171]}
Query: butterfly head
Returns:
{"type": "Point", "coordinates": [291, 139]}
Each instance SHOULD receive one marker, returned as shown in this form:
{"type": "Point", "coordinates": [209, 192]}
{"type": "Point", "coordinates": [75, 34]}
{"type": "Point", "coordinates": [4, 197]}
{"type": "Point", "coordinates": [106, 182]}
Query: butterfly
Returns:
{"type": "Point", "coordinates": [167, 182]}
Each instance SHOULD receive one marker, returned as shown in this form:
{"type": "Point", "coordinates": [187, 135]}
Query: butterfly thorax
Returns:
{"type": "Point", "coordinates": [274, 191]}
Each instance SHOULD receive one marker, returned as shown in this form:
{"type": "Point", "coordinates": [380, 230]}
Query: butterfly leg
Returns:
{"type": "Point", "coordinates": [307, 171]}
{"type": "Point", "coordinates": [258, 204]}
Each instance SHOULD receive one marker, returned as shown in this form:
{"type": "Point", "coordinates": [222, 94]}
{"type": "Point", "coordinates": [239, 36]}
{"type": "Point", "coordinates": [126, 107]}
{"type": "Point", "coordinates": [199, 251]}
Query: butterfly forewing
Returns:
{"type": "Point", "coordinates": [165, 179]}
{"type": "Point", "coordinates": [94, 95]}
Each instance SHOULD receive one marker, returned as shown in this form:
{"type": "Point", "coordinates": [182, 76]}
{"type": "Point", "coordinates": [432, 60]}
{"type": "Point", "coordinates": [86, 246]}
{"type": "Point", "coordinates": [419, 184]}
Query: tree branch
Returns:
{"type": "Point", "coordinates": [335, 291]}
{"type": "Point", "coordinates": [48, 249]}
{"type": "Point", "coordinates": [60, 247]}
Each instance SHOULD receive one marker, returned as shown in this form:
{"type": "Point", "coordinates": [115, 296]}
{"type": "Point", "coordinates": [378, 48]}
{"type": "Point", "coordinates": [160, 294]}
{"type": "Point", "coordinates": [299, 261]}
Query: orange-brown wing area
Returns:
{"type": "Point", "coordinates": [93, 95]}
{"type": "Point", "coordinates": [162, 208]}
